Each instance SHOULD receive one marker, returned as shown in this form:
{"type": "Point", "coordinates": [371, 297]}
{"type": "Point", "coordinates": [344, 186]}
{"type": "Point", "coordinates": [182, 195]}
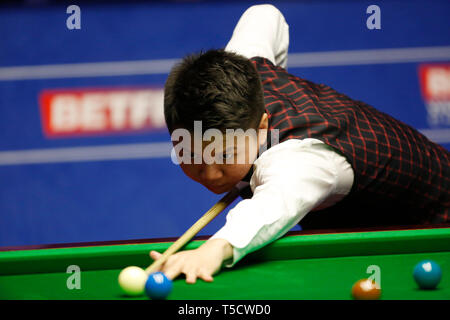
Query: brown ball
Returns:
{"type": "Point", "coordinates": [366, 289]}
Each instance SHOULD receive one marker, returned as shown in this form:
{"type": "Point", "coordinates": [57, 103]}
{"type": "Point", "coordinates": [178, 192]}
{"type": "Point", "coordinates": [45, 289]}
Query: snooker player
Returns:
{"type": "Point", "coordinates": [338, 163]}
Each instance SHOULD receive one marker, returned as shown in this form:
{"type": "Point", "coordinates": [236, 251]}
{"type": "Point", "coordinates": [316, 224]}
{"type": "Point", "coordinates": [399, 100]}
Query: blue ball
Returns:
{"type": "Point", "coordinates": [427, 274]}
{"type": "Point", "coordinates": [158, 286]}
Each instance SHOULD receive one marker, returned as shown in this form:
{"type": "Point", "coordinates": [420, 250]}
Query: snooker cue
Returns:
{"type": "Point", "coordinates": [195, 228]}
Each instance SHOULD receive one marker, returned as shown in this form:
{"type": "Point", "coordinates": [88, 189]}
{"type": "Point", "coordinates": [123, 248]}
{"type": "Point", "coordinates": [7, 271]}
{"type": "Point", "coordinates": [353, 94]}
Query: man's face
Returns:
{"type": "Point", "coordinates": [220, 165]}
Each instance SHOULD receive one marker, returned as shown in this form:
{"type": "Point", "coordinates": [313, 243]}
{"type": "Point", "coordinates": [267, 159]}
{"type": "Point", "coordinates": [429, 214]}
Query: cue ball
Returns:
{"type": "Point", "coordinates": [427, 274]}
{"type": "Point", "coordinates": [158, 286]}
{"type": "Point", "coordinates": [132, 281]}
{"type": "Point", "coordinates": [366, 289]}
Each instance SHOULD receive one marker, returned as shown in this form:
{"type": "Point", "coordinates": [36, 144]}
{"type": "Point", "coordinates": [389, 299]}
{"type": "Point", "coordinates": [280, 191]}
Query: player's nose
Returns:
{"type": "Point", "coordinates": [210, 173]}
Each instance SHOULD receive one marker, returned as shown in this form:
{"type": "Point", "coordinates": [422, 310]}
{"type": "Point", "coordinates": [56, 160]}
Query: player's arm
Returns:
{"type": "Point", "coordinates": [261, 32]}
{"type": "Point", "coordinates": [290, 180]}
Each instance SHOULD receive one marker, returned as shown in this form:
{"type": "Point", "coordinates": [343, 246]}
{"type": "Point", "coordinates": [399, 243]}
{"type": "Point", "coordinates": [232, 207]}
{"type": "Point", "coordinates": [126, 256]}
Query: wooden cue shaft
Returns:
{"type": "Point", "coordinates": [194, 229]}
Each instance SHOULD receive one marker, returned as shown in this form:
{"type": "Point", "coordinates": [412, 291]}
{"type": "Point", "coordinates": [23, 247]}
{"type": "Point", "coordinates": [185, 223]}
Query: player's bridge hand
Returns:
{"type": "Point", "coordinates": [201, 263]}
{"type": "Point", "coordinates": [193, 263]}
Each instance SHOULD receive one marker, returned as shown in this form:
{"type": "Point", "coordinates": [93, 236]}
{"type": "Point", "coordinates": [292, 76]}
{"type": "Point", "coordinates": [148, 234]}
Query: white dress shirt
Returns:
{"type": "Point", "coordinates": [290, 179]}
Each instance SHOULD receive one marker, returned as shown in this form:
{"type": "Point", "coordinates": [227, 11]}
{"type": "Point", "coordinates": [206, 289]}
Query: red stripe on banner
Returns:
{"type": "Point", "coordinates": [435, 82]}
{"type": "Point", "coordinates": [101, 111]}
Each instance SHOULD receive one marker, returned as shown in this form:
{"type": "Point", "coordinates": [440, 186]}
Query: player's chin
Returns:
{"type": "Point", "coordinates": [219, 189]}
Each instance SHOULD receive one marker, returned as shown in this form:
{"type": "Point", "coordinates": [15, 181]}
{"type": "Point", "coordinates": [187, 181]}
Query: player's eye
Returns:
{"type": "Point", "coordinates": [226, 156]}
{"type": "Point", "coordinates": [194, 155]}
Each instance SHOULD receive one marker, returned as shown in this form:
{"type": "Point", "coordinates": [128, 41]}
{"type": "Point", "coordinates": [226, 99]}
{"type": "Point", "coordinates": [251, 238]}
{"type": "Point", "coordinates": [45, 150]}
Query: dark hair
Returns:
{"type": "Point", "coordinates": [219, 88]}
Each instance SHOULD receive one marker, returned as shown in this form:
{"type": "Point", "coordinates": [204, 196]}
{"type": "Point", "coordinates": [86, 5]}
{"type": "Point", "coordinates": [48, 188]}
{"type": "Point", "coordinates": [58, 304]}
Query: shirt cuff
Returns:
{"type": "Point", "coordinates": [238, 253]}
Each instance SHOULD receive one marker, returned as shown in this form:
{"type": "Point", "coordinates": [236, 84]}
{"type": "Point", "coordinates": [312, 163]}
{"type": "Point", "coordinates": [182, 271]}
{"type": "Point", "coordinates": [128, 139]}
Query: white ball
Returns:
{"type": "Point", "coordinates": [132, 281]}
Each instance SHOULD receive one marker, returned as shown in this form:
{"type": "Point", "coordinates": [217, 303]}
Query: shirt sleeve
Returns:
{"type": "Point", "coordinates": [289, 180]}
{"type": "Point", "coordinates": [261, 32]}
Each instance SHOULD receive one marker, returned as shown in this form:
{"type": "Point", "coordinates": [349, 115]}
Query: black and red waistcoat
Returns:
{"type": "Point", "coordinates": [401, 177]}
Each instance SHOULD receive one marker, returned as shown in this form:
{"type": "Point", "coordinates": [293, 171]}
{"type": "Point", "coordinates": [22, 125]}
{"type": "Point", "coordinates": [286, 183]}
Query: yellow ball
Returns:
{"type": "Point", "coordinates": [132, 281]}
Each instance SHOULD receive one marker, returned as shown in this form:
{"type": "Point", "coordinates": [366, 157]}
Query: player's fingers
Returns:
{"type": "Point", "coordinates": [172, 271]}
{"type": "Point", "coordinates": [155, 255]}
{"type": "Point", "coordinates": [205, 276]}
{"type": "Point", "coordinates": [191, 277]}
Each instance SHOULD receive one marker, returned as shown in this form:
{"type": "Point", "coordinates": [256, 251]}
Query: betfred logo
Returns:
{"type": "Point", "coordinates": [435, 87]}
{"type": "Point", "coordinates": [90, 112]}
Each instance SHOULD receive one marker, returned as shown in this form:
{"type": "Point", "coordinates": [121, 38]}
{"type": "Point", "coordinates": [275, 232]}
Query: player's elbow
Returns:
{"type": "Point", "coordinates": [264, 11]}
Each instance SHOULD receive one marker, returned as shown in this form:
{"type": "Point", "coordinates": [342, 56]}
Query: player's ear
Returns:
{"type": "Point", "coordinates": [262, 129]}
{"type": "Point", "coordinates": [264, 123]}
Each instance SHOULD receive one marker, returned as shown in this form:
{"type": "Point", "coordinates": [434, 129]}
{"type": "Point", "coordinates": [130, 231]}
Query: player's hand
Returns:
{"type": "Point", "coordinates": [202, 262]}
